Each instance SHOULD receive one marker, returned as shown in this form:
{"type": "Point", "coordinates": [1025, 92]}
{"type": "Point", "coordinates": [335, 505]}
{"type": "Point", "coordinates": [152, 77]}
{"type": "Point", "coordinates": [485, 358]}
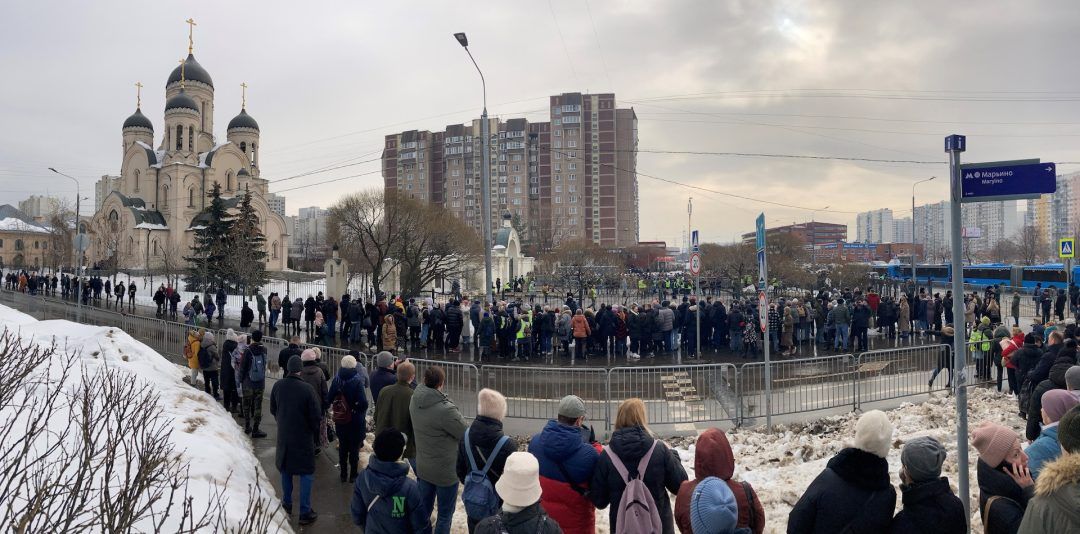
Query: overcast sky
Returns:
{"type": "Point", "coordinates": [327, 80]}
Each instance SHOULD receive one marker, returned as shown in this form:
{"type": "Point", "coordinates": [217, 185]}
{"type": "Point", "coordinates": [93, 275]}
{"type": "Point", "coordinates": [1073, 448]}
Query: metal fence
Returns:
{"type": "Point", "coordinates": [674, 394]}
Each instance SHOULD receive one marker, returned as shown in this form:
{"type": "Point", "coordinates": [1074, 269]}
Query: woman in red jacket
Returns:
{"type": "Point", "coordinates": [581, 329]}
{"type": "Point", "coordinates": [713, 458]}
{"type": "Point", "coordinates": [1008, 348]}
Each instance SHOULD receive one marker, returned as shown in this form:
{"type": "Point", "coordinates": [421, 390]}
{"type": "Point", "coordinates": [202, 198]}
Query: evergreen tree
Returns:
{"type": "Point", "coordinates": [247, 248]}
{"type": "Point", "coordinates": [208, 266]}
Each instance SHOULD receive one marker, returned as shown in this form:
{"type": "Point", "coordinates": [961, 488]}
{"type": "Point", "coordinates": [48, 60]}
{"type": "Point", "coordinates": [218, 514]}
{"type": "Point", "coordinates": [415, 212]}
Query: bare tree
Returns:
{"type": "Point", "coordinates": [367, 226]}
{"type": "Point", "coordinates": [734, 263]}
{"type": "Point", "coordinates": [1031, 245]}
{"type": "Point", "coordinates": [439, 246]}
{"type": "Point", "coordinates": [173, 263]}
{"type": "Point", "coordinates": [62, 235]}
{"type": "Point", "coordinates": [580, 264]}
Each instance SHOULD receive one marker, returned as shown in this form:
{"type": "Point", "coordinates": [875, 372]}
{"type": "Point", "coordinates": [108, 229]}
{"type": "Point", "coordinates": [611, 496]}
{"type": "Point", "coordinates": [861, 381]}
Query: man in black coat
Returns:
{"type": "Point", "coordinates": [288, 352]}
{"type": "Point", "coordinates": [295, 407]}
{"type": "Point", "coordinates": [455, 321]}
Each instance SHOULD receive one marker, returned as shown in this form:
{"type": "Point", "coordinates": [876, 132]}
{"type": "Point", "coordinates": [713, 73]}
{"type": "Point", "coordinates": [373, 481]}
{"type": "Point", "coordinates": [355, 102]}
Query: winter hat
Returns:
{"type": "Point", "coordinates": [1029, 338]}
{"type": "Point", "coordinates": [994, 442]}
{"type": "Point", "coordinates": [384, 359]}
{"type": "Point", "coordinates": [491, 403]}
{"type": "Point", "coordinates": [348, 362]}
{"type": "Point", "coordinates": [1057, 402]}
{"type": "Point", "coordinates": [922, 458]}
{"type": "Point", "coordinates": [985, 320]}
{"type": "Point", "coordinates": [572, 406]}
{"type": "Point", "coordinates": [256, 335]}
{"type": "Point", "coordinates": [294, 365]}
{"type": "Point", "coordinates": [230, 335]}
{"type": "Point", "coordinates": [389, 445]}
{"type": "Point", "coordinates": [1072, 378]}
{"type": "Point", "coordinates": [1069, 431]}
{"type": "Point", "coordinates": [208, 338]}
{"type": "Point", "coordinates": [519, 484]}
{"type": "Point", "coordinates": [873, 433]}
{"type": "Point", "coordinates": [308, 355]}
{"type": "Point", "coordinates": [713, 509]}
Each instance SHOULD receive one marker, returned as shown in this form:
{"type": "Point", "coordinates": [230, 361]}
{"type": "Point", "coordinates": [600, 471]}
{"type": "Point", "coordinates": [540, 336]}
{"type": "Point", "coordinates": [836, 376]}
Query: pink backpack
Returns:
{"type": "Point", "coordinates": [637, 513]}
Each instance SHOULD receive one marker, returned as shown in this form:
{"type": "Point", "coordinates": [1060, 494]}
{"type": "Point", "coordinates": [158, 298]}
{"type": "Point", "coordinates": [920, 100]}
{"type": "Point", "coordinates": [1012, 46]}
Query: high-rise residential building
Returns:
{"type": "Point", "coordinates": [574, 176]}
{"type": "Point", "coordinates": [39, 207]}
{"type": "Point", "coordinates": [107, 184]}
{"type": "Point", "coordinates": [307, 233]}
{"type": "Point", "coordinates": [987, 223]}
{"type": "Point", "coordinates": [875, 226]}
{"type": "Point", "coordinates": [932, 230]}
{"type": "Point", "coordinates": [902, 230]}
{"type": "Point", "coordinates": [276, 203]}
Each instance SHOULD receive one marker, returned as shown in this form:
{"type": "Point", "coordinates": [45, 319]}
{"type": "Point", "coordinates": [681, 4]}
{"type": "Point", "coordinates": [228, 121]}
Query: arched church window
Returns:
{"type": "Point", "coordinates": [136, 180]}
{"type": "Point", "coordinates": [228, 181]}
{"type": "Point", "coordinates": [114, 221]}
{"type": "Point", "coordinates": [274, 250]}
{"type": "Point", "coordinates": [179, 137]}
{"type": "Point", "coordinates": [191, 197]}
{"type": "Point", "coordinates": [155, 247]}
{"type": "Point", "coordinates": [243, 148]}
{"type": "Point", "coordinates": [131, 245]}
{"type": "Point", "coordinates": [254, 154]}
{"type": "Point", "coordinates": [164, 196]}
{"type": "Point", "coordinates": [191, 138]}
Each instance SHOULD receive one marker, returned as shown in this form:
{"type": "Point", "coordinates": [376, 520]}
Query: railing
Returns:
{"type": "Point", "coordinates": [673, 394]}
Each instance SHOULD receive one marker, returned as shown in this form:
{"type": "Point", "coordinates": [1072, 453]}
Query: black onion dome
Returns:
{"type": "Point", "coordinates": [138, 120]}
{"type": "Point", "coordinates": [243, 172]}
{"type": "Point", "coordinates": [243, 120]}
{"type": "Point", "coordinates": [193, 71]}
{"type": "Point", "coordinates": [181, 101]}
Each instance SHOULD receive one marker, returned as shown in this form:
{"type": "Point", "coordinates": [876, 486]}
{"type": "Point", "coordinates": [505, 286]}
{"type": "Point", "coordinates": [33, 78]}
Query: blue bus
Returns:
{"type": "Point", "coordinates": [988, 274]}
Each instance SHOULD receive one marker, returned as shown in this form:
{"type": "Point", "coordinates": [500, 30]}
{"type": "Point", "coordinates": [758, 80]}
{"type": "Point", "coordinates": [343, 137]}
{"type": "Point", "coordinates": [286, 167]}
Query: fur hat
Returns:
{"type": "Point", "coordinates": [873, 433]}
{"type": "Point", "coordinates": [994, 442]}
{"type": "Point", "coordinates": [519, 484]}
{"type": "Point", "coordinates": [308, 355]}
{"type": "Point", "coordinates": [491, 403]}
{"type": "Point", "coordinates": [348, 362]}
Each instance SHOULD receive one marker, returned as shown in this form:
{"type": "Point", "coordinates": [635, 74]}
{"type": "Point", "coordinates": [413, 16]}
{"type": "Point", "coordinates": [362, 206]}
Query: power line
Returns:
{"type": "Point", "coordinates": [596, 37]}
{"type": "Point", "coordinates": [563, 41]}
{"type": "Point", "coordinates": [327, 181]}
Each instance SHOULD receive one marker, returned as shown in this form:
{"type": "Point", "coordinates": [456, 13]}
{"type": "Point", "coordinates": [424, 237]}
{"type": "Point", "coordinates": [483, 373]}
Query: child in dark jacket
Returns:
{"type": "Point", "coordinates": [385, 499]}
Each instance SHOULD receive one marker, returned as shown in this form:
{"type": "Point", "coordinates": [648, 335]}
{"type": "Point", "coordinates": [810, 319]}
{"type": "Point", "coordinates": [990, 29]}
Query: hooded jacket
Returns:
{"type": "Point", "coordinates": [484, 434]}
{"type": "Point", "coordinates": [393, 411]}
{"type": "Point", "coordinates": [558, 443]}
{"type": "Point", "coordinates": [1066, 358]}
{"type": "Point", "coordinates": [401, 510]}
{"type": "Point", "coordinates": [1057, 492]}
{"type": "Point", "coordinates": [531, 520]}
{"type": "Point", "coordinates": [438, 426]}
{"type": "Point", "coordinates": [853, 491]}
{"type": "Point", "coordinates": [1005, 514]}
{"type": "Point", "coordinates": [313, 375]}
{"type": "Point", "coordinates": [713, 458]}
{"type": "Point", "coordinates": [930, 508]}
{"type": "Point", "coordinates": [663, 474]}
{"type": "Point", "coordinates": [350, 384]}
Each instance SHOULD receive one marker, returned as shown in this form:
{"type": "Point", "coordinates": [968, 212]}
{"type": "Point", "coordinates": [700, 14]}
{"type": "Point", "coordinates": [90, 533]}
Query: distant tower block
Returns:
{"type": "Point", "coordinates": [337, 275]}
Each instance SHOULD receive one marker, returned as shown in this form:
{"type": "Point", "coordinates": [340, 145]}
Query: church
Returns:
{"type": "Point", "coordinates": [150, 217]}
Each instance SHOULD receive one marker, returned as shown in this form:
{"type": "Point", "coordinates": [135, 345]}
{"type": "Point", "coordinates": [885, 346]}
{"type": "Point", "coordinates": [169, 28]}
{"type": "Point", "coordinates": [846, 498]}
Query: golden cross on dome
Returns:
{"type": "Point", "coordinates": [138, 95]}
{"type": "Point", "coordinates": [243, 95]}
{"type": "Point", "coordinates": [191, 34]}
{"type": "Point", "coordinates": [181, 73]}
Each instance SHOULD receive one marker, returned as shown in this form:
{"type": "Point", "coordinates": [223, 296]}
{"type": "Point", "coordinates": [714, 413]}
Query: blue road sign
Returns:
{"type": "Point", "coordinates": [955, 142]}
{"type": "Point", "coordinates": [1007, 180]}
{"type": "Point", "coordinates": [761, 232]}
{"type": "Point", "coordinates": [694, 241]}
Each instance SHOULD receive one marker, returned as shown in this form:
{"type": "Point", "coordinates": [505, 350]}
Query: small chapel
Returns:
{"type": "Point", "coordinates": [152, 213]}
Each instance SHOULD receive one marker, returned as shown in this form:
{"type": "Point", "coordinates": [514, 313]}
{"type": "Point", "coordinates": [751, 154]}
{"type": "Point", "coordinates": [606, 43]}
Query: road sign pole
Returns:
{"type": "Point", "coordinates": [954, 145]}
{"type": "Point", "coordinates": [763, 311]}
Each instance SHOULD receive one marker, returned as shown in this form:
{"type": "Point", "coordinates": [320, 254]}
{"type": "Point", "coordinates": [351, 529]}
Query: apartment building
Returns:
{"type": "Point", "coordinates": [573, 176]}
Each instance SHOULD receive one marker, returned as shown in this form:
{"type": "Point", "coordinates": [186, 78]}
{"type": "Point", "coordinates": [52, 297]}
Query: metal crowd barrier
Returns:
{"type": "Point", "coordinates": [901, 372]}
{"type": "Point", "coordinates": [678, 393]}
{"type": "Point", "coordinates": [528, 397]}
{"type": "Point", "coordinates": [802, 385]}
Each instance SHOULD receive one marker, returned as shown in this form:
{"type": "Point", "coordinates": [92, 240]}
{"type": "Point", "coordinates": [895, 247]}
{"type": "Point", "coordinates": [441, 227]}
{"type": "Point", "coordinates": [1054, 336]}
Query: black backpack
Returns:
{"type": "Point", "coordinates": [205, 361]}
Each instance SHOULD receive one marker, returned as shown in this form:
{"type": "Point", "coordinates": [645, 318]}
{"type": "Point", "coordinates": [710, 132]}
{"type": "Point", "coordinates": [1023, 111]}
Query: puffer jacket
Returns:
{"type": "Point", "coordinates": [484, 434]}
{"type": "Point", "coordinates": [558, 443]}
{"type": "Point", "coordinates": [1044, 450]}
{"type": "Point", "coordinates": [579, 325]}
{"type": "Point", "coordinates": [663, 474]}
{"type": "Point", "coordinates": [666, 319]}
{"type": "Point", "coordinates": [390, 482]}
{"type": "Point", "coordinates": [531, 520]}
{"type": "Point", "coordinates": [1005, 514]}
{"type": "Point", "coordinates": [713, 458]}
{"type": "Point", "coordinates": [1057, 492]}
{"type": "Point", "coordinates": [313, 375]}
{"type": "Point", "coordinates": [853, 491]}
{"type": "Point", "coordinates": [1066, 358]}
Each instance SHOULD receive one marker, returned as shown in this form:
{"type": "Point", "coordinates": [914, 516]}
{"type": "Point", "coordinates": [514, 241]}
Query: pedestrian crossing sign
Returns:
{"type": "Point", "coordinates": [1067, 248]}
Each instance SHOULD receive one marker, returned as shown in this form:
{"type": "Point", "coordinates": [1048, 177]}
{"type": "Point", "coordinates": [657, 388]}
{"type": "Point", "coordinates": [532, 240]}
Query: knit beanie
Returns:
{"type": "Point", "coordinates": [348, 362]}
{"type": "Point", "coordinates": [922, 458]}
{"type": "Point", "coordinates": [1069, 431]}
{"type": "Point", "coordinates": [389, 445]}
{"type": "Point", "coordinates": [873, 433]}
{"type": "Point", "coordinates": [307, 356]}
{"type": "Point", "coordinates": [713, 509]}
{"type": "Point", "coordinates": [491, 403]}
{"type": "Point", "coordinates": [384, 359]}
{"type": "Point", "coordinates": [994, 442]}
{"type": "Point", "coordinates": [294, 365]}
{"type": "Point", "coordinates": [208, 338]}
{"type": "Point", "coordinates": [1072, 378]}
{"type": "Point", "coordinates": [1056, 402]}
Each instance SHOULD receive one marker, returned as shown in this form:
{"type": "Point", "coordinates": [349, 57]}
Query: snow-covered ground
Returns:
{"type": "Point", "coordinates": [208, 441]}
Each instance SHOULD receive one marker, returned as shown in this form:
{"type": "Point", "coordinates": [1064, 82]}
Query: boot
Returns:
{"type": "Point", "coordinates": [247, 425]}
{"type": "Point", "coordinates": [255, 432]}
{"type": "Point", "coordinates": [343, 473]}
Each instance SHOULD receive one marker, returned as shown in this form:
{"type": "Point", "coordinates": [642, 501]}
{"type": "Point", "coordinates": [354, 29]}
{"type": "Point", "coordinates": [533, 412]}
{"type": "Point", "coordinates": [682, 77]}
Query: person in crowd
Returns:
{"type": "Point", "coordinates": [712, 508]}
{"type": "Point", "coordinates": [294, 405]}
{"type": "Point", "coordinates": [567, 451]}
{"type": "Point", "coordinates": [713, 458]}
{"type": "Point", "coordinates": [314, 377]}
{"type": "Point", "coordinates": [1005, 484]}
{"type": "Point", "coordinates": [633, 449]}
{"type": "Point", "coordinates": [484, 443]}
{"type": "Point", "coordinates": [1066, 358]}
{"type": "Point", "coordinates": [1027, 359]}
{"type": "Point", "coordinates": [230, 396]}
{"type": "Point", "coordinates": [349, 403]}
{"type": "Point", "coordinates": [1054, 507]}
{"type": "Point", "coordinates": [520, 491]}
{"type": "Point", "coordinates": [945, 359]}
{"type": "Point", "coordinates": [853, 493]}
{"type": "Point", "coordinates": [393, 411]}
{"type": "Point", "coordinates": [210, 362]}
{"type": "Point", "coordinates": [840, 317]}
{"type": "Point", "coordinates": [439, 427]}
{"type": "Point", "coordinates": [191, 354]}
{"type": "Point", "coordinates": [253, 375]}
{"type": "Point", "coordinates": [288, 352]}
{"type": "Point", "coordinates": [389, 333]}
{"type": "Point", "coordinates": [384, 375]}
{"type": "Point", "coordinates": [385, 500]}
{"type": "Point", "coordinates": [581, 331]}
{"type": "Point", "coordinates": [930, 507]}
{"type": "Point", "coordinates": [1055, 403]}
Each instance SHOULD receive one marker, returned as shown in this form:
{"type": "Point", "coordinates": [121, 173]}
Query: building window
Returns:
{"type": "Point", "coordinates": [228, 181]}
{"type": "Point", "coordinates": [191, 138]}
{"type": "Point", "coordinates": [131, 246]}
{"type": "Point", "coordinates": [164, 196]}
{"type": "Point", "coordinates": [179, 137]}
{"type": "Point", "coordinates": [573, 177]}
{"type": "Point", "coordinates": [558, 200]}
{"type": "Point", "coordinates": [558, 189]}
{"type": "Point", "coordinates": [156, 252]}
{"type": "Point", "coordinates": [18, 244]}
{"type": "Point", "coordinates": [136, 181]}
{"type": "Point", "coordinates": [243, 148]}
{"type": "Point", "coordinates": [191, 197]}
{"type": "Point", "coordinates": [274, 250]}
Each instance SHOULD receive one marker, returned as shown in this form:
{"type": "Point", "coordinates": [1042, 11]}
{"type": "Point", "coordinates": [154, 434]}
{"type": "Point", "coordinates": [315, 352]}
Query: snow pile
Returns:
{"type": "Point", "coordinates": [781, 465]}
{"type": "Point", "coordinates": [11, 224]}
{"type": "Point", "coordinates": [218, 456]}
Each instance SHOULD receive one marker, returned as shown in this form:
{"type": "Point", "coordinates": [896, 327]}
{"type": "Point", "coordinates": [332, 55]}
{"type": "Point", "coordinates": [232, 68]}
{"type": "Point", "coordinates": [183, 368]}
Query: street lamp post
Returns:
{"type": "Point", "coordinates": [485, 174]}
{"type": "Point", "coordinates": [914, 251]}
{"type": "Point", "coordinates": [82, 253]}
